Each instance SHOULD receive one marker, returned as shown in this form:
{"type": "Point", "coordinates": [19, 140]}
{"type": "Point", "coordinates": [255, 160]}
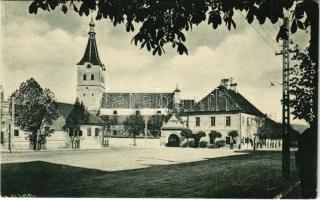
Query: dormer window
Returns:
{"type": "Point", "coordinates": [88, 66]}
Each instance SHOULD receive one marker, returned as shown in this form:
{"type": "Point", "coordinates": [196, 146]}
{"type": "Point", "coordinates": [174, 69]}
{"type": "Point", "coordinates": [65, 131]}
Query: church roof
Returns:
{"type": "Point", "coordinates": [91, 54]}
{"type": "Point", "coordinates": [64, 109]}
{"type": "Point", "coordinates": [137, 100]}
{"type": "Point", "coordinates": [226, 100]}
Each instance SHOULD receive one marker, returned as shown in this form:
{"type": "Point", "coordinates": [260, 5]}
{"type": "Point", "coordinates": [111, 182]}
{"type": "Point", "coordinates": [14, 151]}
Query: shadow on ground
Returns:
{"type": "Point", "coordinates": [255, 175]}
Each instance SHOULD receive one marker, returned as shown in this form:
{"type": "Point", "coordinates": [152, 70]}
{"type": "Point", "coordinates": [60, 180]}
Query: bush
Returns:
{"type": "Point", "coordinates": [185, 144]}
{"type": "Point", "coordinates": [220, 143]}
{"type": "Point", "coordinates": [203, 144]}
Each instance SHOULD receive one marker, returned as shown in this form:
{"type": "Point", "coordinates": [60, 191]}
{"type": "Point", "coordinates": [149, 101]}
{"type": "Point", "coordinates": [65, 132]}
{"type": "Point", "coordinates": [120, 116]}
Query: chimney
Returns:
{"type": "Point", "coordinates": [225, 82]}
{"type": "Point", "coordinates": [233, 86]}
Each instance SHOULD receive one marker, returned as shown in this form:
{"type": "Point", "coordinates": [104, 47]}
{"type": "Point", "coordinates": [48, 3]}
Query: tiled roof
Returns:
{"type": "Point", "coordinates": [65, 109]}
{"type": "Point", "coordinates": [137, 100]}
{"type": "Point", "coordinates": [222, 99]}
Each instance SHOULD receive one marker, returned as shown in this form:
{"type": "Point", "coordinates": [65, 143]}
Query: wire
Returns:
{"type": "Point", "coordinates": [264, 39]}
{"type": "Point", "coordinates": [277, 44]}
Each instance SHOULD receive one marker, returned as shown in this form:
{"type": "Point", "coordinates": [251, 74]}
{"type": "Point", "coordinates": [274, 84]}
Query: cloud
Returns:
{"type": "Point", "coordinates": [47, 46]}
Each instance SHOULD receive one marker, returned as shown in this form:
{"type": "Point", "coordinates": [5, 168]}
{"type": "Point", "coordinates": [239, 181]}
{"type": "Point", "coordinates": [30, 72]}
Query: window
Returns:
{"type": "Point", "coordinates": [213, 121]}
{"type": "Point", "coordinates": [248, 121]}
{"type": "Point", "coordinates": [88, 66]}
{"type": "Point", "coordinates": [92, 94]}
{"type": "Point", "coordinates": [115, 112]}
{"type": "Point", "coordinates": [84, 94]}
{"type": "Point", "coordinates": [159, 112]}
{"type": "Point", "coordinates": [227, 140]}
{"type": "Point", "coordinates": [228, 121]}
{"type": "Point", "coordinates": [242, 120]}
{"type": "Point", "coordinates": [138, 112]}
{"type": "Point", "coordinates": [96, 132]}
{"type": "Point", "coordinates": [86, 87]}
{"type": "Point", "coordinates": [197, 121]}
{"type": "Point", "coordinates": [114, 132]}
{"type": "Point", "coordinates": [84, 77]}
{"type": "Point", "coordinates": [2, 137]}
{"type": "Point", "coordinates": [16, 132]}
{"type": "Point", "coordinates": [80, 133]}
{"type": "Point", "coordinates": [88, 131]}
{"type": "Point", "coordinates": [92, 77]}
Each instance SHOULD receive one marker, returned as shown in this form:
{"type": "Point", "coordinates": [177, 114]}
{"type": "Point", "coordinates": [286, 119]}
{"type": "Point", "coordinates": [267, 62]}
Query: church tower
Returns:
{"type": "Point", "coordinates": [90, 75]}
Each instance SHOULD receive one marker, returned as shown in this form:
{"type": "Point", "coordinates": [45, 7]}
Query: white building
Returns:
{"type": "Point", "coordinates": [223, 110]}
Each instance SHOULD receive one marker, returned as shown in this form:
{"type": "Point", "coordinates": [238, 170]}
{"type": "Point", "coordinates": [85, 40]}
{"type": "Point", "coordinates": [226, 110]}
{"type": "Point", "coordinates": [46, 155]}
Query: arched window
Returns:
{"type": "Point", "coordinates": [84, 77]}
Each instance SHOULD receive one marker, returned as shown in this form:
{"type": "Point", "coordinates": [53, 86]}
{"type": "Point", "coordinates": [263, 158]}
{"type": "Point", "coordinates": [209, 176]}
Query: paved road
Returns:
{"type": "Point", "coordinates": [119, 158]}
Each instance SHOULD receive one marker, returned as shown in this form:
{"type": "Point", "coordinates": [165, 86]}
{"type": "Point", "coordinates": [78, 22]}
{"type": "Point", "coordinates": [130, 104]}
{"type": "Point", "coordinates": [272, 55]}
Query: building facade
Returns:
{"type": "Point", "coordinates": [223, 110]}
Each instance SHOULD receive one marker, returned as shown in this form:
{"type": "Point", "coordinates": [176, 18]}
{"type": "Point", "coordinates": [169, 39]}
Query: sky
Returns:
{"type": "Point", "coordinates": [47, 47]}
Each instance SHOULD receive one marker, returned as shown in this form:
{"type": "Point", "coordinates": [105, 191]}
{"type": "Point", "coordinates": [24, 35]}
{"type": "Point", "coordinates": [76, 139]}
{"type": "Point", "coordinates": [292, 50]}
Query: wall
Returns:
{"type": "Point", "coordinates": [220, 126]}
{"type": "Point", "coordinates": [85, 88]}
{"type": "Point", "coordinates": [90, 142]}
{"type": "Point", "coordinates": [139, 141]}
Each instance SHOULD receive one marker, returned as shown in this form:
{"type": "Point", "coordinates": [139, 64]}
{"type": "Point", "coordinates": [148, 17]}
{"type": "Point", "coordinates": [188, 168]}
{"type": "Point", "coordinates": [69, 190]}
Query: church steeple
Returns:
{"type": "Point", "coordinates": [91, 54]}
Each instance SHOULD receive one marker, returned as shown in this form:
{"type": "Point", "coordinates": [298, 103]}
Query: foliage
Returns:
{"type": "Point", "coordinates": [165, 22]}
{"type": "Point", "coordinates": [268, 129]}
{"type": "Point", "coordinates": [213, 135]}
{"type": "Point", "coordinates": [197, 136]}
{"type": "Point", "coordinates": [304, 87]}
{"type": "Point", "coordinates": [35, 109]}
{"type": "Point", "coordinates": [233, 134]}
{"type": "Point", "coordinates": [203, 144]}
{"type": "Point", "coordinates": [154, 124]}
{"type": "Point", "coordinates": [75, 118]}
{"type": "Point", "coordinates": [220, 143]}
{"type": "Point", "coordinates": [187, 134]}
{"type": "Point", "coordinates": [134, 125]}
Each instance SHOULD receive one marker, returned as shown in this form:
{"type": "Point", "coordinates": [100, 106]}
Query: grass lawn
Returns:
{"type": "Point", "coordinates": [255, 175]}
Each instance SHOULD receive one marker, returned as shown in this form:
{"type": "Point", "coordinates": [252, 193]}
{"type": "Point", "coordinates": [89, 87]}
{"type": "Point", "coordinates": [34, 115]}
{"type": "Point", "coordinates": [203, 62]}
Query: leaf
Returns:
{"type": "Point", "coordinates": [181, 48]}
{"type": "Point", "coordinates": [75, 8]}
{"type": "Point", "coordinates": [294, 26]}
{"type": "Point", "coordinates": [250, 15]}
{"type": "Point", "coordinates": [33, 8]}
{"type": "Point", "coordinates": [181, 37]}
{"type": "Point", "coordinates": [233, 24]}
{"type": "Point", "coordinates": [300, 24]}
{"type": "Point", "coordinates": [64, 9]}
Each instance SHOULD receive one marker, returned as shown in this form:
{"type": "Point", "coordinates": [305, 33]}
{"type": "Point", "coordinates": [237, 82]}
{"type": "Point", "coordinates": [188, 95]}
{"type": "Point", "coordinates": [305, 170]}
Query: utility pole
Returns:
{"type": "Point", "coordinates": [12, 123]}
{"type": "Point", "coordinates": [285, 103]}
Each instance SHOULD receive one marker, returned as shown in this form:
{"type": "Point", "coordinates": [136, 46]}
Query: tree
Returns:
{"type": "Point", "coordinates": [134, 125]}
{"type": "Point", "coordinates": [75, 118]}
{"type": "Point", "coordinates": [197, 138]}
{"type": "Point", "coordinates": [154, 124]}
{"type": "Point", "coordinates": [35, 111]}
{"type": "Point", "coordinates": [304, 86]}
{"type": "Point", "coordinates": [187, 133]}
{"type": "Point", "coordinates": [164, 22]}
{"type": "Point", "coordinates": [213, 135]}
{"type": "Point", "coordinates": [103, 137]}
{"type": "Point", "coordinates": [233, 135]}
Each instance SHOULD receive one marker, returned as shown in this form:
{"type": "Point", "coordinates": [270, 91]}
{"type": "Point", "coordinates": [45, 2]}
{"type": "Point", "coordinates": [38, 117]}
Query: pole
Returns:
{"type": "Point", "coordinates": [12, 123]}
{"type": "Point", "coordinates": [1, 116]}
{"type": "Point", "coordinates": [285, 104]}
{"type": "Point", "coordinates": [145, 131]}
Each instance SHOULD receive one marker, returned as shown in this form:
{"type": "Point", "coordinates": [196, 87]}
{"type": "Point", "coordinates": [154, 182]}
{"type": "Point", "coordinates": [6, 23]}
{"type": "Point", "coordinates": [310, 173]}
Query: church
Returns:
{"type": "Point", "coordinates": [90, 90]}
